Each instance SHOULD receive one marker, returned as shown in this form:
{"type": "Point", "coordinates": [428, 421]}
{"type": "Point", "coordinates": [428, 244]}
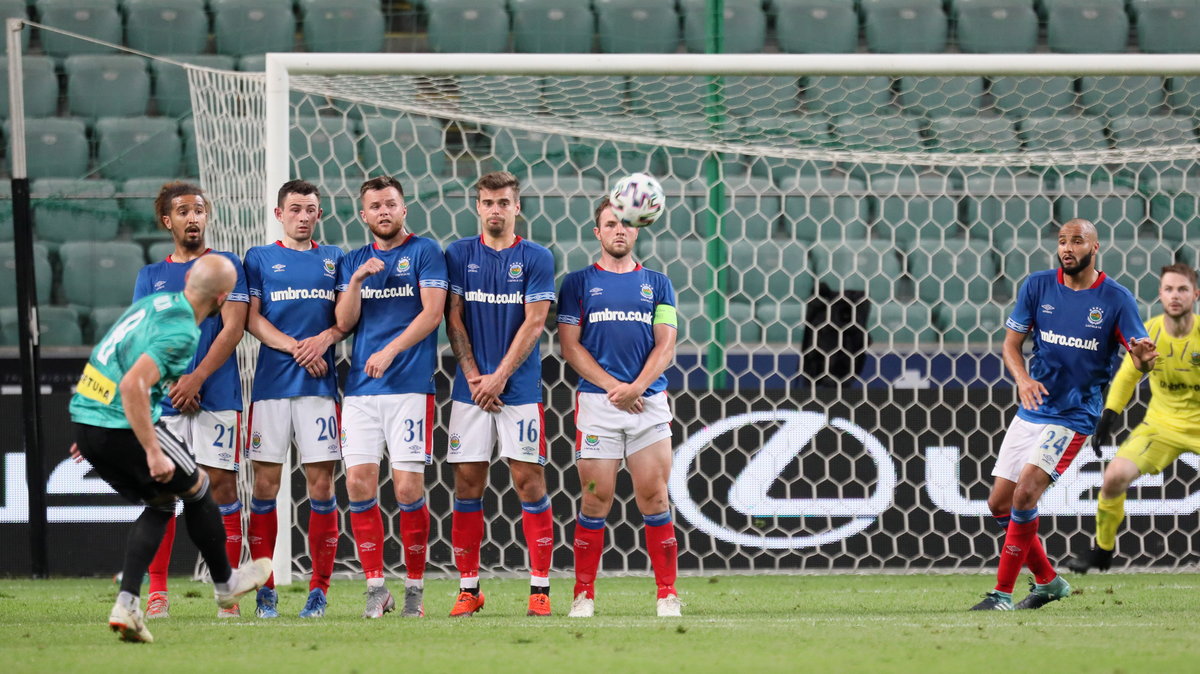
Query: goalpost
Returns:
{"type": "Point", "coordinates": [845, 232]}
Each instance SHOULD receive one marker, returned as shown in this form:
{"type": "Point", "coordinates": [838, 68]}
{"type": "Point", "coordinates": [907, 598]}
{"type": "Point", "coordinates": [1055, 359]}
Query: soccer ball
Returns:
{"type": "Point", "coordinates": [637, 200]}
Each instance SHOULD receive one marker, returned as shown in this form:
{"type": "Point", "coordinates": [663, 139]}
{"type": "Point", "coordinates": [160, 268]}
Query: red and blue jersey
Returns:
{"type": "Point", "coordinates": [495, 286]}
{"type": "Point", "coordinates": [223, 389]}
{"type": "Point", "coordinates": [295, 289]}
{"type": "Point", "coordinates": [1076, 334]}
{"type": "Point", "coordinates": [616, 314]}
{"type": "Point", "coordinates": [391, 300]}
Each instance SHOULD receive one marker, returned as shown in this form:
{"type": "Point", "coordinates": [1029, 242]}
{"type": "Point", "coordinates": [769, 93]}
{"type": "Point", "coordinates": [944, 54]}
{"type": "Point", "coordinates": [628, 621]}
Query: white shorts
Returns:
{"type": "Point", "coordinates": [401, 423]}
{"type": "Point", "coordinates": [604, 432]}
{"type": "Point", "coordinates": [519, 430]}
{"type": "Point", "coordinates": [214, 438]}
{"type": "Point", "coordinates": [1048, 446]}
{"type": "Point", "coordinates": [311, 422]}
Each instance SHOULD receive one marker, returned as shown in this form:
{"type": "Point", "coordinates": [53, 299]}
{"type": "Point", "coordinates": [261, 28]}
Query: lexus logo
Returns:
{"type": "Point", "coordinates": [748, 494]}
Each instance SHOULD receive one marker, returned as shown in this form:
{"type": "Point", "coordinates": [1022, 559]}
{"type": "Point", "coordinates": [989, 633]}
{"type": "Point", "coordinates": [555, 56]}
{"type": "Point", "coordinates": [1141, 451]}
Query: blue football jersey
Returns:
{"type": "Point", "coordinates": [223, 389]}
{"type": "Point", "coordinates": [495, 286]}
{"type": "Point", "coordinates": [296, 291]}
{"type": "Point", "coordinates": [616, 315]}
{"type": "Point", "coordinates": [391, 300]}
{"type": "Point", "coordinates": [1075, 336]}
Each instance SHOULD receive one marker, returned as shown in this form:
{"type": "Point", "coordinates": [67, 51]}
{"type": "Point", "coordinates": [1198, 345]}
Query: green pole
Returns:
{"type": "Point", "coordinates": [714, 302]}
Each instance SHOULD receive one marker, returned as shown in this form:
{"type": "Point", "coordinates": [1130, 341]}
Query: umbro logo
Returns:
{"type": "Point", "coordinates": [1047, 308]}
{"type": "Point", "coordinates": [159, 285]}
{"type": "Point", "coordinates": [367, 546]}
{"type": "Point", "coordinates": [472, 268]}
{"type": "Point", "coordinates": [416, 548]}
{"type": "Point", "coordinates": [278, 268]}
{"type": "Point", "coordinates": [596, 291]}
{"type": "Point", "coordinates": [545, 541]}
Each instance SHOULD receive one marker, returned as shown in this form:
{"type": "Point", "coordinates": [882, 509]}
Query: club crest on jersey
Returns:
{"type": "Point", "coordinates": [1095, 316]}
{"type": "Point", "coordinates": [159, 285]}
{"type": "Point", "coordinates": [330, 267]}
{"type": "Point", "coordinates": [455, 443]}
{"type": "Point", "coordinates": [591, 440]}
{"type": "Point", "coordinates": [1196, 359]}
{"type": "Point", "coordinates": [515, 271]}
{"type": "Point", "coordinates": [647, 292]}
{"type": "Point", "coordinates": [342, 438]}
{"type": "Point", "coordinates": [403, 266]}
{"type": "Point", "coordinates": [256, 440]}
{"type": "Point", "coordinates": [278, 268]}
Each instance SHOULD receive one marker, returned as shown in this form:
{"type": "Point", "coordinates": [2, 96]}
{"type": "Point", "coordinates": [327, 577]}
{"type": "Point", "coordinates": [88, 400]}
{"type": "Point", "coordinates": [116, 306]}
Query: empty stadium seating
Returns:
{"type": "Point", "coordinates": [166, 26]}
{"type": "Point", "coordinates": [553, 26]}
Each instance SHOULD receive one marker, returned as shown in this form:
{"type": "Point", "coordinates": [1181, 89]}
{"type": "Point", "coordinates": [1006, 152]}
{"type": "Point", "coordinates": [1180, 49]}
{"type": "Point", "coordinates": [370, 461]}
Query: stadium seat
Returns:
{"type": "Point", "coordinates": [1070, 134]}
{"type": "Point", "coordinates": [1135, 265]}
{"type": "Point", "coordinates": [99, 273]}
{"type": "Point", "coordinates": [253, 27]}
{"type": "Point", "coordinates": [1174, 202]}
{"type": "Point", "coordinates": [848, 95]}
{"type": "Point", "coordinates": [768, 271]}
{"type": "Point", "coordinates": [584, 96]}
{"type": "Point", "coordinates": [532, 153]}
{"type": "Point", "coordinates": [996, 26]}
{"type": "Point", "coordinates": [467, 26]}
{"type": "Point", "coordinates": [1087, 27]}
{"type": "Point", "coordinates": [137, 208]}
{"type": "Point", "coordinates": [57, 326]}
{"type": "Point", "coordinates": [172, 95]}
{"type": "Point", "coordinates": [553, 26]}
{"type": "Point", "coordinates": [100, 320]}
{"type": "Point", "coordinates": [1115, 95]}
{"type": "Point", "coordinates": [74, 210]}
{"type": "Point", "coordinates": [191, 162]}
{"type": "Point", "coordinates": [824, 208]}
{"type": "Point", "coordinates": [1168, 26]}
{"type": "Point", "coordinates": [782, 322]}
{"type": "Point", "coordinates": [684, 261]}
{"type": "Point", "coordinates": [1025, 256]}
{"type": "Point", "coordinates": [940, 96]}
{"type": "Point", "coordinates": [55, 147]}
{"type": "Point", "coordinates": [753, 207]}
{"type": "Point", "coordinates": [407, 145]}
{"type": "Point", "coordinates": [954, 271]}
{"type": "Point", "coordinates": [1002, 209]}
{"type": "Point", "coordinates": [1022, 97]}
{"type": "Point", "coordinates": [161, 250]}
{"type": "Point", "coordinates": [816, 26]}
{"type": "Point", "coordinates": [873, 266]}
{"type": "Point", "coordinates": [637, 26]}
{"type": "Point", "coordinates": [338, 26]}
{"type": "Point", "coordinates": [97, 19]}
{"type": "Point", "coordinates": [901, 323]}
{"type": "Point", "coordinates": [608, 158]}
{"type": "Point", "coordinates": [166, 26]}
{"type": "Point", "coordinates": [745, 26]}
{"type": "Point", "coordinates": [107, 85]}
{"type": "Point", "coordinates": [16, 9]}
{"type": "Point", "coordinates": [905, 26]}
{"type": "Point", "coordinates": [43, 277]}
{"type": "Point", "coordinates": [331, 151]}
{"type": "Point", "coordinates": [41, 86]}
{"type": "Point", "coordinates": [1118, 210]}
{"type": "Point", "coordinates": [136, 147]}
{"type": "Point", "coordinates": [1155, 131]}
{"type": "Point", "coordinates": [913, 208]}
{"type": "Point", "coordinates": [970, 323]}
{"type": "Point", "coordinates": [558, 209]}
{"type": "Point", "coordinates": [973, 134]}
{"type": "Point", "coordinates": [685, 203]}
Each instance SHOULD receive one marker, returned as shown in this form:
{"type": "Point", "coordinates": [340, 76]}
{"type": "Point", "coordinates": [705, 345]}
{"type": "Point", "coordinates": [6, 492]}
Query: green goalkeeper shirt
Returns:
{"type": "Point", "coordinates": [162, 326]}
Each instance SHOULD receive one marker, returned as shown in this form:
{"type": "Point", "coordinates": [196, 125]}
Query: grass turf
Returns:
{"type": "Point", "coordinates": [747, 624]}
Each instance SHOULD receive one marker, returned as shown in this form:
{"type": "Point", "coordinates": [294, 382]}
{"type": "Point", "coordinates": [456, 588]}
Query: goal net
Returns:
{"type": "Point", "coordinates": [845, 234]}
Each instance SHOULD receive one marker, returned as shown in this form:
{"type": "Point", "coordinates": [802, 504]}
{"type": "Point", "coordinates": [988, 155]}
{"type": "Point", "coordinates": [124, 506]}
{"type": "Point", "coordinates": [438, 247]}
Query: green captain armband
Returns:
{"type": "Point", "coordinates": [665, 314]}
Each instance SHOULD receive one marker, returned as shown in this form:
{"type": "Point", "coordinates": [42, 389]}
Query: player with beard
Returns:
{"type": "Point", "coordinates": [1172, 423]}
{"type": "Point", "coordinates": [616, 325]}
{"type": "Point", "coordinates": [204, 407]}
{"type": "Point", "coordinates": [392, 294]}
{"type": "Point", "coordinates": [1078, 318]}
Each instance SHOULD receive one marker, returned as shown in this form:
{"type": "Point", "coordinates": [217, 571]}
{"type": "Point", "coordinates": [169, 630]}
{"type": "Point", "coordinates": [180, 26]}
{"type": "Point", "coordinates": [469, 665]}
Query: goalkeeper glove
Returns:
{"type": "Point", "coordinates": [1104, 429]}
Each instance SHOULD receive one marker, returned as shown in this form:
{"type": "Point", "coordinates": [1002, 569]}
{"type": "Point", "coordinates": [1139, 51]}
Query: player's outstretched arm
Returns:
{"type": "Point", "coordinates": [185, 393]}
{"type": "Point", "coordinates": [1143, 354]}
{"type": "Point", "coordinates": [1029, 391]}
{"type": "Point", "coordinates": [135, 399]}
{"type": "Point", "coordinates": [433, 307]}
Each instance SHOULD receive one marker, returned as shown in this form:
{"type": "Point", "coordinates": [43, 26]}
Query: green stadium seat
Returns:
{"type": "Point", "coordinates": [191, 162]}
{"type": "Point", "coordinates": [467, 26]}
{"type": "Point", "coordinates": [410, 146]}
{"type": "Point", "coordinates": [99, 273]}
{"type": "Point", "coordinates": [881, 133]}
{"type": "Point", "coordinates": [447, 212]}
{"type": "Point", "coordinates": [43, 276]}
{"type": "Point", "coordinates": [172, 95]}
{"type": "Point", "coordinates": [57, 326]}
{"type": "Point", "coordinates": [1070, 134]}
{"type": "Point", "coordinates": [137, 147]}
{"type": "Point", "coordinates": [973, 134]}
{"type": "Point", "coordinates": [1173, 208]}
{"type": "Point", "coordinates": [558, 209]}
{"type": "Point", "coordinates": [41, 86]}
{"type": "Point", "coordinates": [97, 19]}
{"type": "Point", "coordinates": [684, 261]}
{"type": "Point", "coordinates": [100, 320]}
{"type": "Point", "coordinates": [1115, 95]}
{"type": "Point", "coordinates": [1135, 265]}
{"type": "Point", "coordinates": [970, 323]}
{"type": "Point", "coordinates": [768, 272]}
{"type": "Point", "coordinates": [55, 147]}
{"type": "Point", "coordinates": [782, 322]}
{"type": "Point", "coordinates": [954, 271]}
{"type": "Point", "coordinates": [996, 27]}
{"type": "Point", "coordinates": [1003, 208]}
{"type": "Point", "coordinates": [695, 328]}
{"type": "Point", "coordinates": [741, 325]}
{"type": "Point", "coordinates": [905, 26]}
{"type": "Point", "coordinates": [1024, 97]}
{"type": "Point", "coordinates": [745, 26]}
{"type": "Point", "coordinates": [848, 95]}
{"type": "Point", "coordinates": [584, 96]}
{"type": "Point", "coordinates": [637, 26]}
{"type": "Point", "coordinates": [106, 85]}
{"type": "Point", "coordinates": [65, 210]}
{"type": "Point", "coordinates": [137, 208]}
{"type": "Point", "coordinates": [1025, 256]}
{"type": "Point", "coordinates": [753, 207]}
{"type": "Point", "coordinates": [873, 266]}
{"type": "Point", "coordinates": [532, 153]}
{"type": "Point", "coordinates": [940, 96]}
{"type": "Point", "coordinates": [1087, 28]}
{"type": "Point", "coordinates": [166, 26]}
{"type": "Point", "coordinates": [553, 26]}
{"type": "Point", "coordinates": [573, 257]}
{"type": "Point", "coordinates": [338, 26]}
{"type": "Point", "coordinates": [913, 208]}
{"type": "Point", "coordinates": [816, 26]}
{"type": "Point", "coordinates": [330, 148]}
{"type": "Point", "coordinates": [243, 27]}
{"type": "Point", "coordinates": [901, 323]}
{"type": "Point", "coordinates": [6, 211]}
{"type": "Point", "coordinates": [1155, 131]}
{"type": "Point", "coordinates": [825, 208]}
{"type": "Point", "coordinates": [159, 251]}
{"type": "Point", "coordinates": [1168, 26]}
{"type": "Point", "coordinates": [1118, 211]}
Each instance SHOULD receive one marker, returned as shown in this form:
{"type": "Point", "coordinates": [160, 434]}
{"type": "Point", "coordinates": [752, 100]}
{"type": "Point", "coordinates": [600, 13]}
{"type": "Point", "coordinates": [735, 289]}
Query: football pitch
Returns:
{"type": "Point", "coordinates": [744, 624]}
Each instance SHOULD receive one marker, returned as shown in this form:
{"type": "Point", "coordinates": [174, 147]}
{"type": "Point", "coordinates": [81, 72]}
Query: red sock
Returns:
{"type": "Point", "coordinates": [1017, 543]}
{"type": "Point", "coordinates": [466, 535]}
{"type": "Point", "coordinates": [233, 536]}
{"type": "Point", "coordinates": [322, 545]}
{"type": "Point", "coordinates": [589, 547]}
{"type": "Point", "coordinates": [367, 526]}
{"type": "Point", "coordinates": [414, 534]}
{"type": "Point", "coordinates": [538, 528]}
{"type": "Point", "coordinates": [263, 530]}
{"type": "Point", "coordinates": [1038, 563]}
{"type": "Point", "coordinates": [663, 550]}
{"type": "Point", "coordinates": [160, 565]}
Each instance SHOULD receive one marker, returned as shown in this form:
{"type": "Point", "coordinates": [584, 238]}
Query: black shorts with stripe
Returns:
{"type": "Point", "coordinates": [120, 460]}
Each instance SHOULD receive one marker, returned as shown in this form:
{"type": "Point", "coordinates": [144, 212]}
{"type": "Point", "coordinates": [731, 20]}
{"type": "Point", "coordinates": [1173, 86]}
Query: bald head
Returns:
{"type": "Point", "coordinates": [1079, 227]}
{"type": "Point", "coordinates": [211, 277]}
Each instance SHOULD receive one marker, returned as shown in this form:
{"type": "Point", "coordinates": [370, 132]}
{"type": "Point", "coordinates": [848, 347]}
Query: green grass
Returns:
{"type": "Point", "coordinates": [745, 624]}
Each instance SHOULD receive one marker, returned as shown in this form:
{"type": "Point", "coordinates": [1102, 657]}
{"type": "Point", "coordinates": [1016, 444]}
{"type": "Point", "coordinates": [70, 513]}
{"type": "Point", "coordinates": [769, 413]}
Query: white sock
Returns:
{"type": "Point", "coordinates": [414, 582]}
{"type": "Point", "coordinates": [375, 582]}
{"type": "Point", "coordinates": [127, 600]}
{"type": "Point", "coordinates": [471, 583]}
